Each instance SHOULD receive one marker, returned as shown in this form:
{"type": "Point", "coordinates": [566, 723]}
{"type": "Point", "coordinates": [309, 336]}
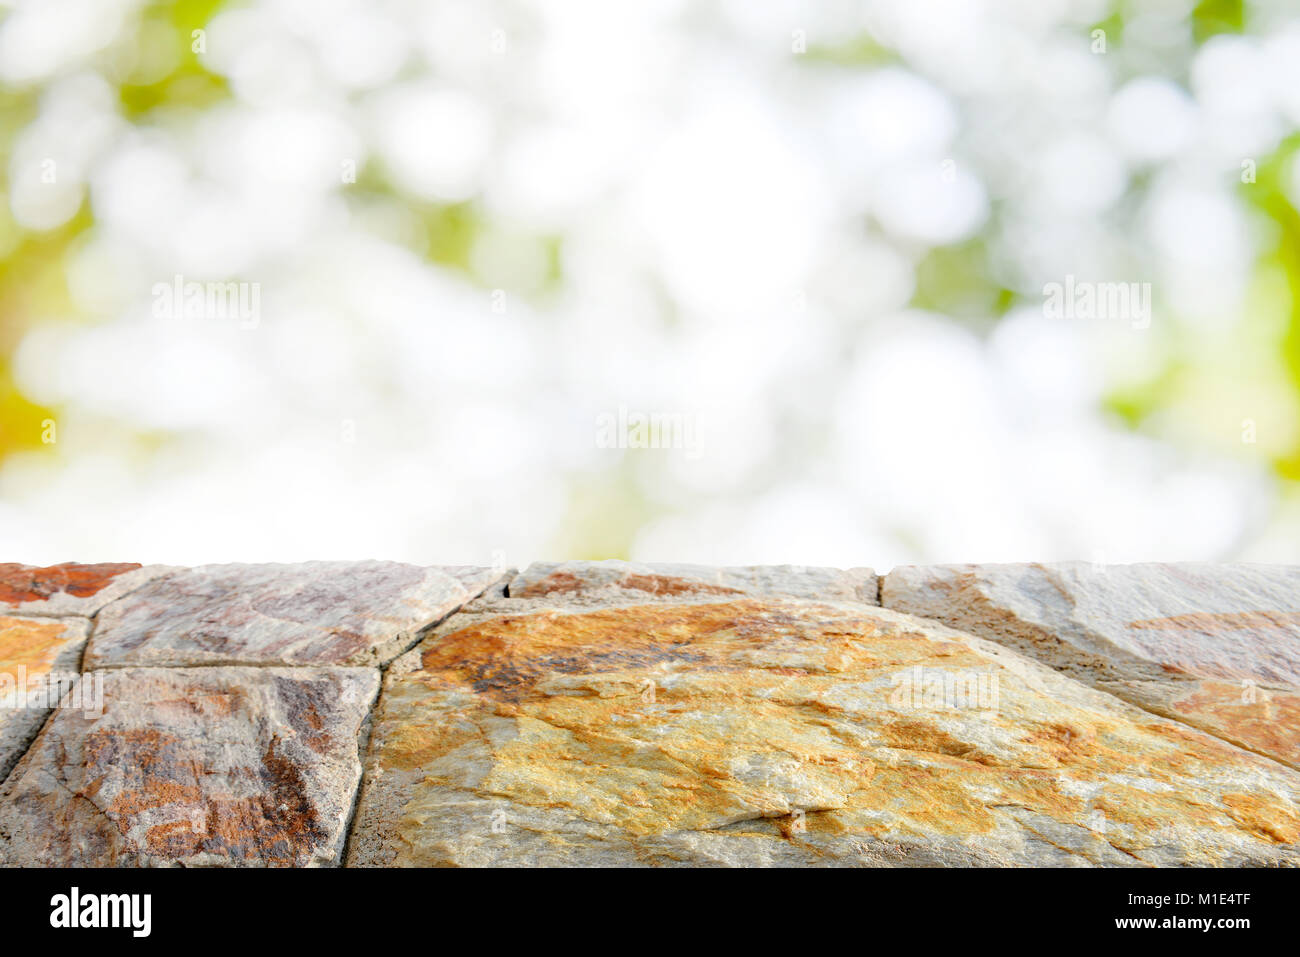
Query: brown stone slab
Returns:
{"type": "Point", "coordinates": [200, 766]}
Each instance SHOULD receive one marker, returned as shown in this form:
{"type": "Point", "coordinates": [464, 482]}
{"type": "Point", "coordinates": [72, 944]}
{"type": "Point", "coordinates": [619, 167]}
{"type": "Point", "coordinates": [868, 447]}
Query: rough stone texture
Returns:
{"type": "Point", "coordinates": [234, 766]}
{"type": "Point", "coordinates": [592, 583]}
{"type": "Point", "coordinates": [316, 613]}
{"type": "Point", "coordinates": [770, 731]}
{"type": "Point", "coordinates": [1214, 646]}
{"type": "Point", "coordinates": [71, 588]}
{"type": "Point", "coordinates": [607, 713]}
{"type": "Point", "coordinates": [34, 652]}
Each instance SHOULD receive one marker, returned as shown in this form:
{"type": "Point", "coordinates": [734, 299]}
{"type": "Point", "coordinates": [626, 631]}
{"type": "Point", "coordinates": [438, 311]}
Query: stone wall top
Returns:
{"type": "Point", "coordinates": [614, 713]}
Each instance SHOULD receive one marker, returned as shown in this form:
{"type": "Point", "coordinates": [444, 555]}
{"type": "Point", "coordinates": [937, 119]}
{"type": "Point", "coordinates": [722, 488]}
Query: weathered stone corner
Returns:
{"type": "Point", "coordinates": [609, 713]}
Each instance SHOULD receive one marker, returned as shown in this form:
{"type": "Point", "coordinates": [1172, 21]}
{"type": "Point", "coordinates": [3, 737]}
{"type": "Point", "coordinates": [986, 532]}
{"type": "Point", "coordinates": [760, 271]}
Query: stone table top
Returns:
{"type": "Point", "coordinates": [619, 714]}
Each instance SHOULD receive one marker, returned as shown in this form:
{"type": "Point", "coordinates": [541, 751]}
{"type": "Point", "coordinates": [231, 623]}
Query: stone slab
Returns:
{"type": "Point", "coordinates": [36, 654]}
{"type": "Point", "coordinates": [1216, 646]}
{"type": "Point", "coordinates": [767, 731]}
{"type": "Point", "coordinates": [200, 766]}
{"type": "Point", "coordinates": [593, 583]}
{"type": "Point", "coordinates": [315, 613]}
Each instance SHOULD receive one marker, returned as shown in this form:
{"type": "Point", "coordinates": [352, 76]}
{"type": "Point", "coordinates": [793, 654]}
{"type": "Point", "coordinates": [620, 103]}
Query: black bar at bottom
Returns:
{"type": "Point", "coordinates": [303, 907]}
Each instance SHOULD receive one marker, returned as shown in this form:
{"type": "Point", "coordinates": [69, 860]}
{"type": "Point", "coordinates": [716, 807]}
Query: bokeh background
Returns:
{"type": "Point", "coordinates": [820, 231]}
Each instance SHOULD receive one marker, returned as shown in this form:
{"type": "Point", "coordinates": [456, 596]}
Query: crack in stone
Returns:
{"type": "Point", "coordinates": [366, 731]}
{"type": "Point", "coordinates": [30, 741]}
{"type": "Point", "coordinates": [363, 747]}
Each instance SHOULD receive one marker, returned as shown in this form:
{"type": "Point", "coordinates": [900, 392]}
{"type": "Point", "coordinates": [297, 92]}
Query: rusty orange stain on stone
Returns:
{"type": "Point", "coordinates": [668, 585]}
{"type": "Point", "coordinates": [503, 657]}
{"type": "Point", "coordinates": [926, 737]}
{"type": "Point", "coordinates": [275, 825]}
{"type": "Point", "coordinates": [30, 644]}
{"type": "Point", "coordinates": [1216, 622]}
{"type": "Point", "coordinates": [556, 583]}
{"type": "Point", "coordinates": [24, 583]}
{"type": "Point", "coordinates": [1269, 819]}
{"type": "Point", "coordinates": [922, 800]}
{"type": "Point", "coordinates": [1141, 811]}
{"type": "Point", "coordinates": [154, 776]}
{"type": "Point", "coordinates": [1264, 720]}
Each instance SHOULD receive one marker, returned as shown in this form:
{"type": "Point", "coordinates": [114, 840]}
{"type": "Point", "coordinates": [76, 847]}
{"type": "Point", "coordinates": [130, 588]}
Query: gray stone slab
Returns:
{"type": "Point", "coordinates": [581, 582]}
{"type": "Point", "coordinates": [315, 613]}
{"type": "Point", "coordinates": [1216, 646]}
{"type": "Point", "coordinates": [198, 766]}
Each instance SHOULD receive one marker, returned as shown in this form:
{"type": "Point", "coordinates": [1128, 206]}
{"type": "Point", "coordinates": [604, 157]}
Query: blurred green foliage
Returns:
{"type": "Point", "coordinates": [1211, 17]}
{"type": "Point", "coordinates": [960, 280]}
{"type": "Point", "coordinates": [33, 284]}
{"type": "Point", "coordinates": [1266, 194]}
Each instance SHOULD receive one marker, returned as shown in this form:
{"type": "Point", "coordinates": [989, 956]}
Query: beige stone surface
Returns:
{"type": "Point", "coordinates": [315, 613]}
{"type": "Point", "coordinates": [771, 731]}
{"type": "Point", "coordinates": [1215, 646]}
{"type": "Point", "coordinates": [198, 766]}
